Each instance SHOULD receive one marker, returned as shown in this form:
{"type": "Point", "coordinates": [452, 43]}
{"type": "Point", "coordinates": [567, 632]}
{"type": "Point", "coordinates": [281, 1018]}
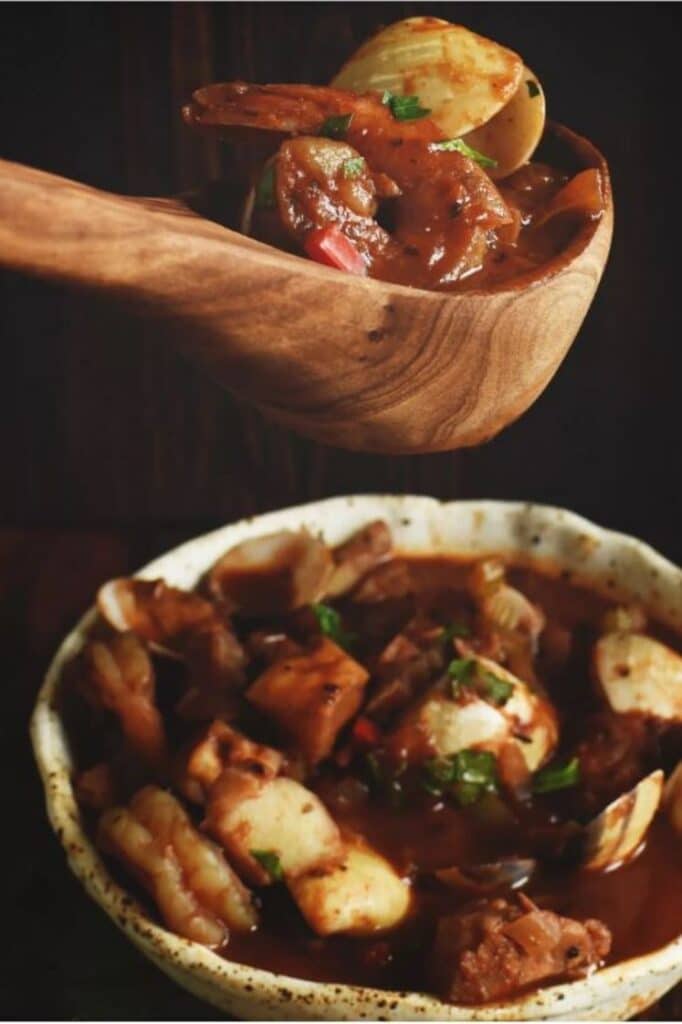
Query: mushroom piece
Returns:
{"type": "Point", "coordinates": [274, 573]}
{"type": "Point", "coordinates": [616, 835]}
{"type": "Point", "coordinates": [672, 799]}
{"type": "Point", "coordinates": [638, 674]}
{"type": "Point", "coordinates": [487, 878]}
{"type": "Point", "coordinates": [155, 612]}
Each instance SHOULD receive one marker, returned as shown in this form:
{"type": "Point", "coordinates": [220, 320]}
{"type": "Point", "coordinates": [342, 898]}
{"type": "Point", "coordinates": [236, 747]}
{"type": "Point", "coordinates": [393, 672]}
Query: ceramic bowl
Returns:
{"type": "Point", "coordinates": [621, 566]}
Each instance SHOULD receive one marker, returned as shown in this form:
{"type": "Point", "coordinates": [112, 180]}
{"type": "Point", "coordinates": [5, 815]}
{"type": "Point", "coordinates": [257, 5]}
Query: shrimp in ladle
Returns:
{"type": "Point", "coordinates": [443, 205]}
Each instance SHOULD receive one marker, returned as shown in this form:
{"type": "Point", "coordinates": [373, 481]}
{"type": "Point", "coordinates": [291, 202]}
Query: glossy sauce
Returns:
{"type": "Point", "coordinates": [640, 902]}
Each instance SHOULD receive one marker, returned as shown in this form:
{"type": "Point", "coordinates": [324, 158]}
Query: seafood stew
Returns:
{"type": "Point", "coordinates": [484, 756]}
{"type": "Point", "coordinates": [433, 190]}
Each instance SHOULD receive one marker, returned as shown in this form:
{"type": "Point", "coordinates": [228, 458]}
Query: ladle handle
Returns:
{"type": "Point", "coordinates": [62, 230]}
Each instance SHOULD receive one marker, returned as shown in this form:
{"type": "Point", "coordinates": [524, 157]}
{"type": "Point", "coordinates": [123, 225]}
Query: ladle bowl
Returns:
{"type": "Point", "coordinates": [349, 361]}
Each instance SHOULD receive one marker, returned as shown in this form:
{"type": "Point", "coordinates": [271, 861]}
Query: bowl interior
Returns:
{"type": "Point", "coordinates": [553, 538]}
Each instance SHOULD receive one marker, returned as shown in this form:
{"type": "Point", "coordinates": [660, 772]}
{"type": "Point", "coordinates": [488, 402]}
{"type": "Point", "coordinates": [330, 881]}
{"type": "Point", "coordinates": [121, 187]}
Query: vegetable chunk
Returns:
{"type": "Point", "coordinates": [280, 817]}
{"type": "Point", "coordinates": [311, 696]}
{"type": "Point", "coordinates": [361, 895]}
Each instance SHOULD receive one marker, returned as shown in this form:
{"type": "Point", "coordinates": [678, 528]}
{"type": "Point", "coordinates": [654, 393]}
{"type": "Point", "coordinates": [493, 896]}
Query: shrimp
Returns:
{"type": "Point", "coordinates": [185, 625]}
{"type": "Point", "coordinates": [445, 204]}
{"type": "Point", "coordinates": [197, 893]}
{"type": "Point", "coordinates": [119, 676]}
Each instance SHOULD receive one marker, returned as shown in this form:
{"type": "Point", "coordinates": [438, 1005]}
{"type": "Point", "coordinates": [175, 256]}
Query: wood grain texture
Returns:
{"type": "Point", "coordinates": [103, 423]}
{"type": "Point", "coordinates": [348, 361]}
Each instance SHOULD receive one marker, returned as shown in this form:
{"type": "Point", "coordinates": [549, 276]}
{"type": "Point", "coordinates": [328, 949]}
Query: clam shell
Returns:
{"type": "Point", "coordinates": [462, 78]}
{"type": "Point", "coordinates": [512, 135]}
{"type": "Point", "coordinates": [672, 799]}
{"type": "Point", "coordinates": [616, 835]}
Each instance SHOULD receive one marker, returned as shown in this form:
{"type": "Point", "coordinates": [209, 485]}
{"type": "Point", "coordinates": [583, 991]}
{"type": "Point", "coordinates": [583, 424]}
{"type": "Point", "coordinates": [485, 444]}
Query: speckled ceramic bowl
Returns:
{"type": "Point", "coordinates": [622, 566]}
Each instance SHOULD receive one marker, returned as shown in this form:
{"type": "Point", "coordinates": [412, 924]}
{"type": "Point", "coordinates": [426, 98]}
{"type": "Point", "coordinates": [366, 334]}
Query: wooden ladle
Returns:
{"type": "Point", "coordinates": [349, 361]}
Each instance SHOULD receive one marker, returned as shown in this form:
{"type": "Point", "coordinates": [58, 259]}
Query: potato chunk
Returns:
{"type": "Point", "coordinates": [639, 675]}
{"type": "Point", "coordinates": [360, 896]}
{"type": "Point", "coordinates": [278, 817]}
{"type": "Point", "coordinates": [271, 574]}
{"type": "Point", "coordinates": [311, 696]}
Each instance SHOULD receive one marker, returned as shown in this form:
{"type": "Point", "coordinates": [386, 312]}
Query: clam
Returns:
{"type": "Point", "coordinates": [672, 799]}
{"type": "Point", "coordinates": [501, 605]}
{"type": "Point", "coordinates": [616, 835]}
{"type": "Point", "coordinates": [155, 612]}
{"type": "Point", "coordinates": [275, 573]}
{"type": "Point", "coordinates": [484, 878]}
{"type": "Point", "coordinates": [638, 674]}
{"type": "Point", "coordinates": [462, 78]}
{"type": "Point", "coordinates": [511, 137]}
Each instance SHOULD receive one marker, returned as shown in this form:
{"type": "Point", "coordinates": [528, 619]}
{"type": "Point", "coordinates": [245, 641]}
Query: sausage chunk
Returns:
{"type": "Point", "coordinates": [493, 948]}
{"type": "Point", "coordinates": [311, 696]}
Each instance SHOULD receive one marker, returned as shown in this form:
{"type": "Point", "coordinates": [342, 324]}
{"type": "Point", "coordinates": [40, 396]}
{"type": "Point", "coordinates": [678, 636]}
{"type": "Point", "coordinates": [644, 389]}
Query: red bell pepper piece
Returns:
{"type": "Point", "coordinates": [330, 246]}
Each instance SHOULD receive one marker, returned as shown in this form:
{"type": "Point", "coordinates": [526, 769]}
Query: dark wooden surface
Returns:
{"type": "Point", "coordinates": [112, 449]}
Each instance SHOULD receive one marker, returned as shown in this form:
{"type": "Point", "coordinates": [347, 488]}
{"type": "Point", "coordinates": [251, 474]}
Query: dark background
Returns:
{"type": "Point", "coordinates": [112, 448]}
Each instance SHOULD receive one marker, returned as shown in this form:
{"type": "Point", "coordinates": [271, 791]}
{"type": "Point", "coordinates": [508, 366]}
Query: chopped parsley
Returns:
{"type": "Point", "coordinates": [329, 621]}
{"type": "Point", "coordinates": [455, 629]}
{"type": "Point", "coordinates": [460, 146]}
{"type": "Point", "coordinates": [468, 672]}
{"type": "Point", "coordinates": [497, 690]}
{"type": "Point", "coordinates": [557, 776]}
{"type": "Point", "coordinates": [467, 775]}
{"type": "Point", "coordinates": [354, 167]}
{"type": "Point", "coordinates": [336, 127]}
{"type": "Point", "coordinates": [270, 862]}
{"type": "Point", "coordinates": [533, 88]}
{"type": "Point", "coordinates": [404, 108]}
{"type": "Point", "coordinates": [265, 189]}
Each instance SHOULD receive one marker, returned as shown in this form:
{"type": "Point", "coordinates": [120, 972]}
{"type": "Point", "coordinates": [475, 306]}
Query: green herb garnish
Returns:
{"type": "Point", "coordinates": [270, 862]}
{"type": "Point", "coordinates": [336, 127]}
{"type": "Point", "coordinates": [533, 88]}
{"type": "Point", "coordinates": [455, 629]}
{"type": "Point", "coordinates": [557, 776]}
{"type": "Point", "coordinates": [467, 775]}
{"type": "Point", "coordinates": [468, 672]}
{"type": "Point", "coordinates": [331, 625]}
{"type": "Point", "coordinates": [265, 189]}
{"type": "Point", "coordinates": [404, 108]}
{"type": "Point", "coordinates": [460, 146]}
{"type": "Point", "coordinates": [354, 167]}
{"type": "Point", "coordinates": [497, 690]}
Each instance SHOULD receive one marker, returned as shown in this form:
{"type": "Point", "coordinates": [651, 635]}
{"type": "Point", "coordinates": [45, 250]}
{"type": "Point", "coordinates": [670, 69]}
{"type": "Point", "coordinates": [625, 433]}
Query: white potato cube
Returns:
{"type": "Point", "coordinates": [279, 818]}
{"type": "Point", "coordinates": [360, 896]}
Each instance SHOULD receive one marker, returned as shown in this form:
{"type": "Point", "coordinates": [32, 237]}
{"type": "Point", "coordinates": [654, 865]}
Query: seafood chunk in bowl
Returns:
{"type": "Point", "coordinates": [371, 757]}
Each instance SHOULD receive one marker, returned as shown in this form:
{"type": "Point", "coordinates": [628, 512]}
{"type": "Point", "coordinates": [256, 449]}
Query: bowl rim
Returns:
{"type": "Point", "coordinates": [175, 954]}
